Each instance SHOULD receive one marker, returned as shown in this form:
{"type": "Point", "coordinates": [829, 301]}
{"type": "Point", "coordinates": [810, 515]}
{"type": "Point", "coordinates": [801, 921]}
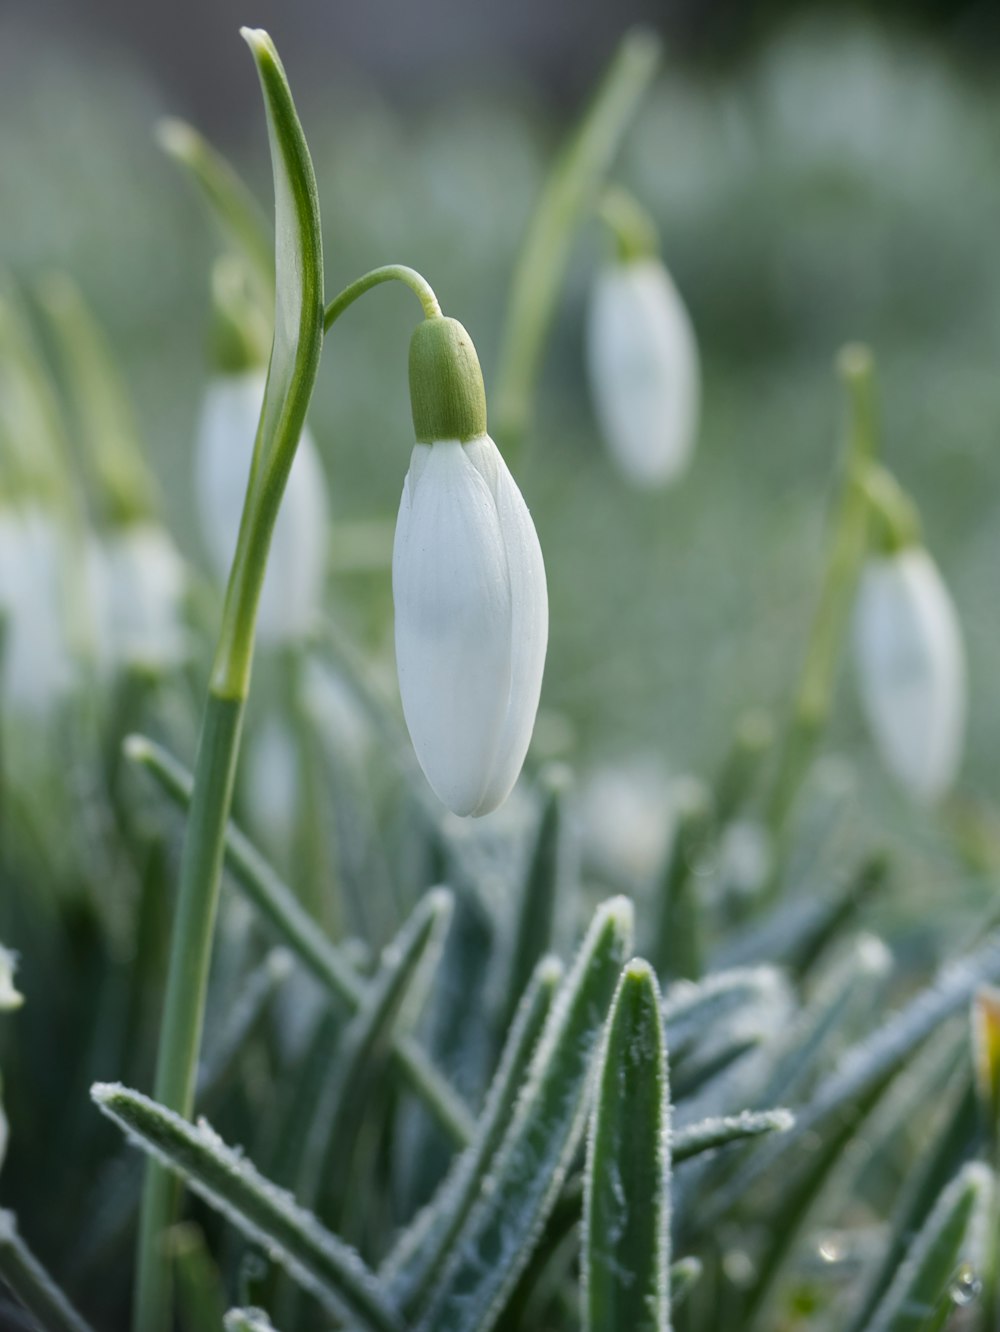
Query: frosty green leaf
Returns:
{"type": "Point", "coordinates": [627, 1200]}
{"type": "Point", "coordinates": [32, 1285]}
{"type": "Point", "coordinates": [229, 1182]}
{"type": "Point", "coordinates": [497, 1241]}
{"type": "Point", "coordinates": [710, 1134]}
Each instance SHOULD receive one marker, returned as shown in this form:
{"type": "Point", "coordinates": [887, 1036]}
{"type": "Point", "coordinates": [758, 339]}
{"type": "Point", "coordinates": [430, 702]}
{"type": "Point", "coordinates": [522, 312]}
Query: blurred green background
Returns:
{"type": "Point", "coordinates": [817, 177]}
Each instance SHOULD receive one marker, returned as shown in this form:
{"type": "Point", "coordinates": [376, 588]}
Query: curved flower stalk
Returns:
{"type": "Point", "coordinates": [468, 585]}
{"type": "Point", "coordinates": [293, 585]}
{"type": "Point", "coordinates": [911, 670]}
{"type": "Point", "coordinates": [642, 358]}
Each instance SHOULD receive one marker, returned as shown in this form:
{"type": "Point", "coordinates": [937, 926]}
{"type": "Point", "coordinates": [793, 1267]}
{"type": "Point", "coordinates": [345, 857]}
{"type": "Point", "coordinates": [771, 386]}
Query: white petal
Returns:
{"type": "Point", "coordinates": [35, 663]}
{"type": "Point", "coordinates": [453, 622]}
{"type": "Point", "coordinates": [139, 583]}
{"type": "Point", "coordinates": [529, 633]}
{"type": "Point", "coordinates": [644, 371]}
{"type": "Point", "coordinates": [226, 430]}
{"type": "Point", "coordinates": [911, 667]}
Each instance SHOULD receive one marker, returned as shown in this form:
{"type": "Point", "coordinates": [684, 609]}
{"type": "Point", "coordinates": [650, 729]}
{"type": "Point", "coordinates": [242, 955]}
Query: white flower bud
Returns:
{"type": "Point", "coordinates": [35, 661]}
{"type": "Point", "coordinates": [10, 997]}
{"type": "Point", "coordinates": [911, 670]}
{"type": "Point", "coordinates": [138, 584]}
{"type": "Point", "coordinates": [644, 370]}
{"type": "Point", "coordinates": [293, 585]}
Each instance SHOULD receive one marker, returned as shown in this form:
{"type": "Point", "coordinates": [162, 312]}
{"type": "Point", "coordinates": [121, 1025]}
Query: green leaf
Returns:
{"type": "Point", "coordinates": [362, 1050]}
{"type": "Point", "coordinates": [540, 891]}
{"type": "Point", "coordinates": [538, 1148]}
{"type": "Point", "coordinates": [242, 1020]}
{"type": "Point", "coordinates": [986, 1055]}
{"type": "Point", "coordinates": [943, 1268]}
{"type": "Point", "coordinates": [691, 1011]}
{"type": "Point", "coordinates": [32, 1285]}
{"type": "Point", "coordinates": [415, 1262]}
{"type": "Point", "coordinates": [291, 375]}
{"type": "Point", "coordinates": [924, 1183]}
{"type": "Point", "coordinates": [321, 1263]}
{"type": "Point", "coordinates": [200, 1294]}
{"type": "Point", "coordinates": [677, 948]}
{"type": "Point", "coordinates": [279, 906]}
{"type": "Point", "coordinates": [235, 209]}
{"type": "Point", "coordinates": [127, 490]}
{"type": "Point", "coordinates": [710, 1134]}
{"type": "Point", "coordinates": [626, 1219]}
{"type": "Point", "coordinates": [571, 191]}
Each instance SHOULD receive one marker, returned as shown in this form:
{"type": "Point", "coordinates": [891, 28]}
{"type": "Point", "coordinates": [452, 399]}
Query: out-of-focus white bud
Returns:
{"type": "Point", "coordinates": [138, 584]}
{"type": "Point", "coordinates": [625, 819]}
{"type": "Point", "coordinates": [468, 585]}
{"type": "Point", "coordinates": [293, 586]}
{"type": "Point", "coordinates": [911, 670]}
{"type": "Point", "coordinates": [36, 666]}
{"type": "Point", "coordinates": [10, 997]}
{"type": "Point", "coordinates": [272, 780]}
{"type": "Point", "coordinates": [644, 370]}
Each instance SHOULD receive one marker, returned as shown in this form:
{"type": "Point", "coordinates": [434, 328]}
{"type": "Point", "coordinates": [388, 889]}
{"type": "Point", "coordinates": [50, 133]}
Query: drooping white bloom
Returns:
{"type": "Point", "coordinates": [644, 370]}
{"type": "Point", "coordinates": [36, 666]}
{"type": "Point", "coordinates": [471, 621]}
{"type": "Point", "coordinates": [911, 670]}
{"type": "Point", "coordinates": [293, 585]}
{"type": "Point", "coordinates": [138, 583]}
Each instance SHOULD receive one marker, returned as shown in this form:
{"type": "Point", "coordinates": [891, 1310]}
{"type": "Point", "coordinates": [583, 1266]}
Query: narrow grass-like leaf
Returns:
{"type": "Point", "coordinates": [986, 1055]}
{"type": "Point", "coordinates": [710, 1134]}
{"type": "Point", "coordinates": [279, 906]}
{"type": "Point", "coordinates": [692, 1010]}
{"type": "Point", "coordinates": [497, 1241]}
{"type": "Point", "coordinates": [200, 1293]}
{"type": "Point", "coordinates": [626, 1282]}
{"type": "Point", "coordinates": [539, 893]}
{"type": "Point", "coordinates": [242, 1020]}
{"type": "Point", "coordinates": [321, 1263]}
{"type": "Point", "coordinates": [403, 964]}
{"type": "Point", "coordinates": [572, 189]}
{"type": "Point", "coordinates": [926, 1181]}
{"type": "Point", "coordinates": [416, 1260]}
{"type": "Point", "coordinates": [946, 1260]}
{"type": "Point", "coordinates": [235, 209]}
{"type": "Point", "coordinates": [751, 744]}
{"type": "Point", "coordinates": [32, 1285]}
{"type": "Point", "coordinates": [677, 945]}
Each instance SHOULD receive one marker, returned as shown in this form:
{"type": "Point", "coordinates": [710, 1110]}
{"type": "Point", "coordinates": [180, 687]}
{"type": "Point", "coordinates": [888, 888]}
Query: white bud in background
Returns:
{"type": "Point", "coordinates": [911, 670]}
{"type": "Point", "coordinates": [468, 584]}
{"type": "Point", "coordinates": [644, 370]}
{"type": "Point", "coordinates": [292, 595]}
{"type": "Point", "coordinates": [138, 585]}
{"type": "Point", "coordinates": [10, 997]}
{"type": "Point", "coordinates": [36, 666]}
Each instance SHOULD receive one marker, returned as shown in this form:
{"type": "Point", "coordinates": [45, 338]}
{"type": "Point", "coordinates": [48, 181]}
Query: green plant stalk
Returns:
{"type": "Point", "coordinates": [569, 195]}
{"type": "Point", "coordinates": [32, 1285]}
{"type": "Point", "coordinates": [420, 287]}
{"type": "Point", "coordinates": [291, 375]}
{"type": "Point", "coordinates": [814, 695]}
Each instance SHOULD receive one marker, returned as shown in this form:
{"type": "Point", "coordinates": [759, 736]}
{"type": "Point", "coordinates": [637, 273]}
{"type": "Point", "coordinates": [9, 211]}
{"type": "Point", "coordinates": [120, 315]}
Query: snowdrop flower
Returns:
{"type": "Point", "coordinates": [911, 670]}
{"type": "Point", "coordinates": [293, 586]}
{"type": "Point", "coordinates": [643, 368]}
{"type": "Point", "coordinates": [36, 663]}
{"type": "Point", "coordinates": [10, 997]}
{"type": "Point", "coordinates": [468, 581]}
{"type": "Point", "coordinates": [138, 583]}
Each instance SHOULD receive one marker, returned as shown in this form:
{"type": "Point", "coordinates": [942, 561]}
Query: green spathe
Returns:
{"type": "Point", "coordinates": [446, 383]}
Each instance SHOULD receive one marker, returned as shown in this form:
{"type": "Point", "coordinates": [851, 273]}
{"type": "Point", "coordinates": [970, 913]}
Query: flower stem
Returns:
{"type": "Point", "coordinates": [813, 698]}
{"type": "Point", "coordinates": [566, 200]}
{"type": "Point", "coordinates": [420, 287]}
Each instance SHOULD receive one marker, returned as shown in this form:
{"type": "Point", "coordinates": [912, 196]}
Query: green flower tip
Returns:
{"type": "Point", "coordinates": [447, 395]}
{"type": "Point", "coordinates": [855, 361]}
{"type": "Point", "coordinates": [136, 748]}
{"type": "Point", "coordinates": [261, 44]}
{"type": "Point", "coordinates": [550, 970]}
{"type": "Point", "coordinates": [177, 138]}
{"type": "Point", "coordinates": [639, 972]}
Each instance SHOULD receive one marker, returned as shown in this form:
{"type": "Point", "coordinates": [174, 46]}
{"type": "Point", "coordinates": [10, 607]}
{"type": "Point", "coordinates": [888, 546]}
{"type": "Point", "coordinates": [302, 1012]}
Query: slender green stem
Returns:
{"type": "Point", "coordinates": [32, 1285]}
{"type": "Point", "coordinates": [187, 980]}
{"type": "Point", "coordinates": [420, 287]}
{"type": "Point", "coordinates": [295, 354]}
{"type": "Point", "coordinates": [630, 224]}
{"type": "Point", "coordinates": [566, 200]}
{"type": "Point", "coordinates": [813, 698]}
